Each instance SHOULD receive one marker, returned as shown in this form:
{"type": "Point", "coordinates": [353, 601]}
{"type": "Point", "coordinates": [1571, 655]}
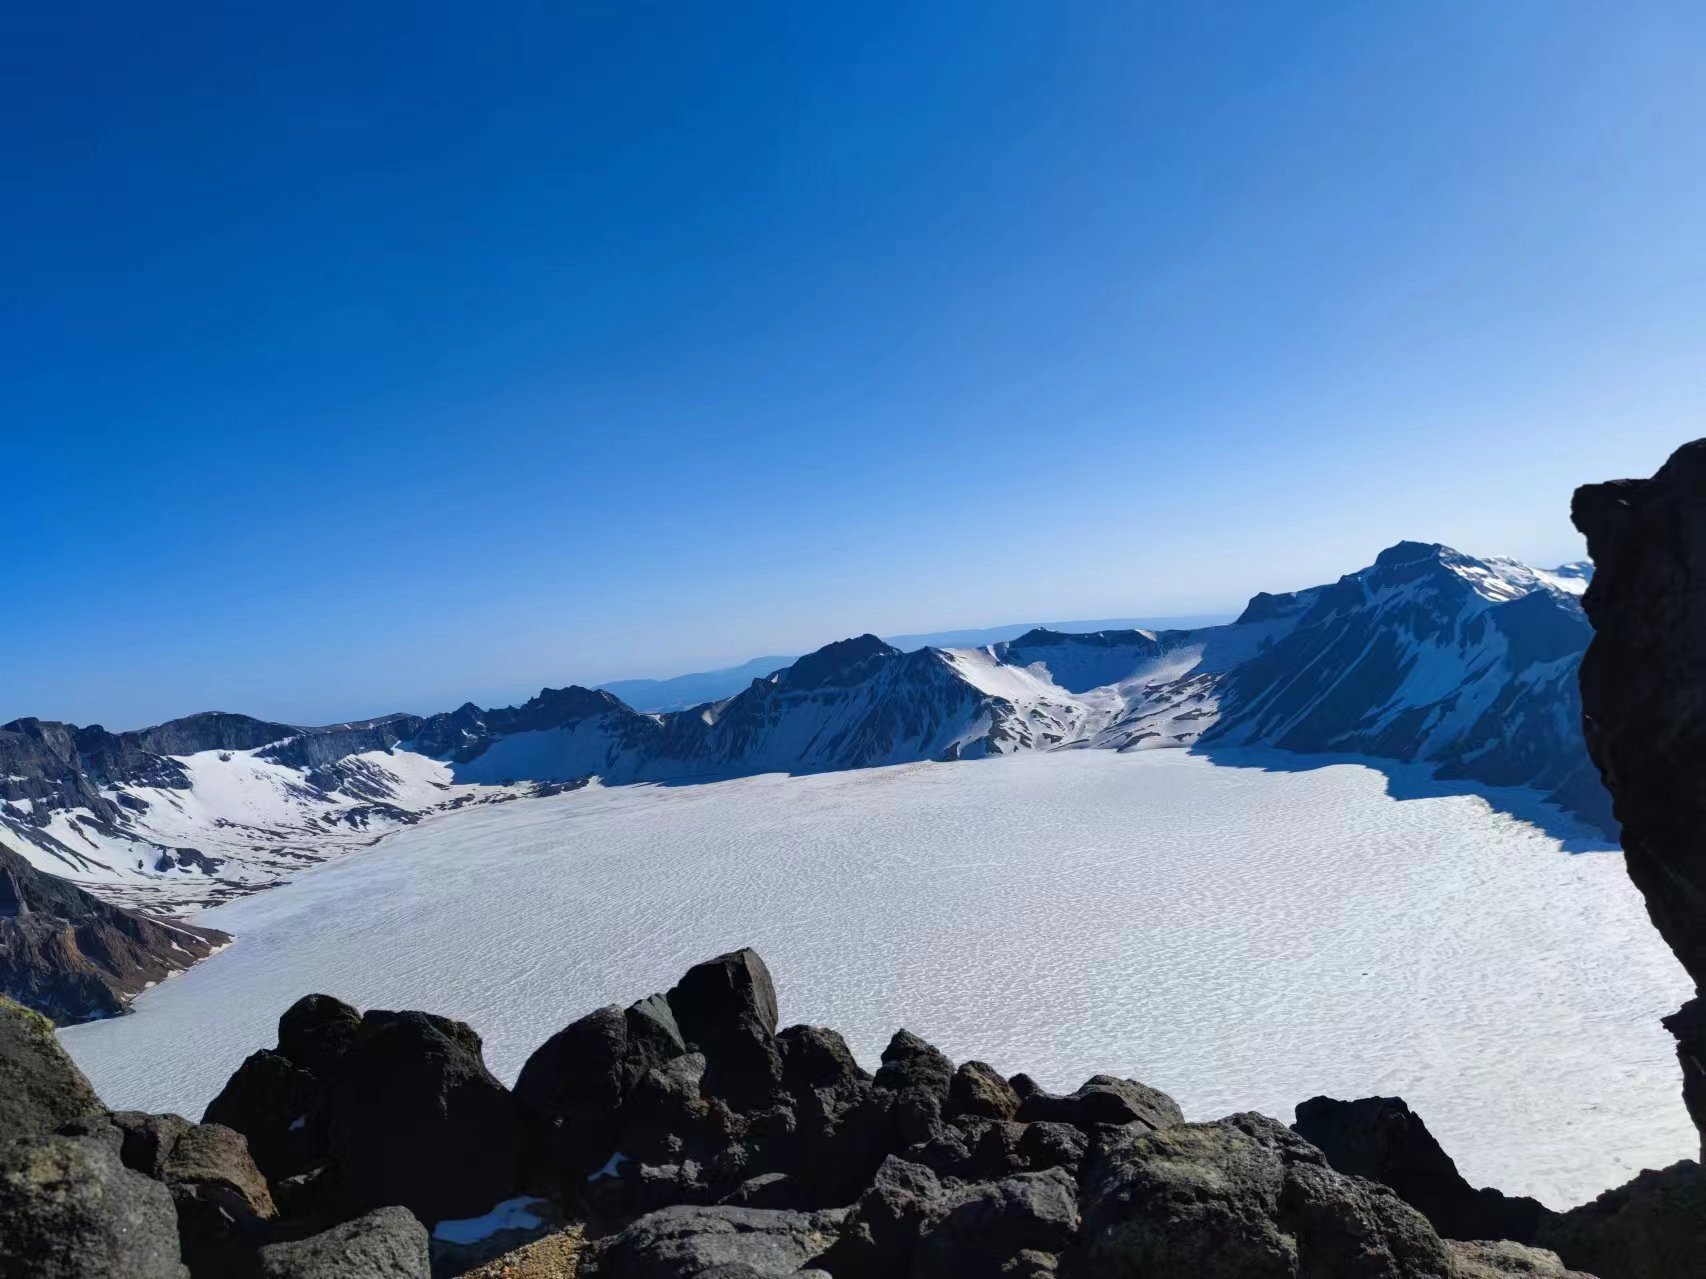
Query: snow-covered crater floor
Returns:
{"type": "Point", "coordinates": [1242, 938]}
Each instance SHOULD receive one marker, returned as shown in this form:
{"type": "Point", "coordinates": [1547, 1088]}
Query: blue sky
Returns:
{"type": "Point", "coordinates": [372, 357]}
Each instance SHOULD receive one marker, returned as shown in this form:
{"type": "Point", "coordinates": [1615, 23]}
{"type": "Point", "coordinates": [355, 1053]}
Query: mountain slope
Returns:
{"type": "Point", "coordinates": [1427, 655]}
{"type": "Point", "coordinates": [72, 957]}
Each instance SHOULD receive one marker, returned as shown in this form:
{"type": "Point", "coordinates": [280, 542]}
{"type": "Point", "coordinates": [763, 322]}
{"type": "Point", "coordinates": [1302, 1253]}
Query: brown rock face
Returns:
{"type": "Point", "coordinates": [1644, 706]}
{"type": "Point", "coordinates": [72, 957]}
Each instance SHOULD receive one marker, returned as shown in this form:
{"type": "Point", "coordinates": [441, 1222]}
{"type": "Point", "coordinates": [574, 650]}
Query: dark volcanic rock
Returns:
{"type": "Point", "coordinates": [726, 1007]}
{"type": "Point", "coordinates": [978, 1089]}
{"type": "Point", "coordinates": [70, 1209]}
{"type": "Point", "coordinates": [978, 1230]}
{"type": "Point", "coordinates": [418, 1120]}
{"type": "Point", "coordinates": [1654, 1227]}
{"type": "Point", "coordinates": [316, 1031]}
{"type": "Point", "coordinates": [1643, 685]}
{"type": "Point", "coordinates": [72, 957]}
{"type": "Point", "coordinates": [574, 1084]}
{"type": "Point", "coordinates": [41, 1089]}
{"type": "Point", "coordinates": [277, 1106]}
{"type": "Point", "coordinates": [1502, 1259]}
{"type": "Point", "coordinates": [1103, 1099]}
{"type": "Point", "coordinates": [1244, 1198]}
{"type": "Point", "coordinates": [387, 1243]}
{"type": "Point", "coordinates": [817, 1057]}
{"type": "Point", "coordinates": [909, 1062]}
{"type": "Point", "coordinates": [222, 1200]}
{"type": "Point", "coordinates": [726, 1242]}
{"type": "Point", "coordinates": [1384, 1140]}
{"type": "Point", "coordinates": [146, 1140]}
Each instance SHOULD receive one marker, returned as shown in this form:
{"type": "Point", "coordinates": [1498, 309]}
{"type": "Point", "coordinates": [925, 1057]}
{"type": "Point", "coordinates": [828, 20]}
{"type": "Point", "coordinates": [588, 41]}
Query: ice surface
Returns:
{"type": "Point", "coordinates": [511, 1214]}
{"type": "Point", "coordinates": [1239, 937]}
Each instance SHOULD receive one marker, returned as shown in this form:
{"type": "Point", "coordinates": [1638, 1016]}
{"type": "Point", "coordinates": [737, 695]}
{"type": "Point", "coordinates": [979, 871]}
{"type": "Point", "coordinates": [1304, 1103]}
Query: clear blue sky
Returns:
{"type": "Point", "coordinates": [370, 357]}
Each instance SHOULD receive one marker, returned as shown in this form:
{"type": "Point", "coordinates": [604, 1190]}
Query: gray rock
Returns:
{"type": "Point", "coordinates": [1500, 1259]}
{"type": "Point", "coordinates": [817, 1057]}
{"type": "Point", "coordinates": [909, 1062]}
{"type": "Point", "coordinates": [1052, 1145]}
{"type": "Point", "coordinates": [980, 1229]}
{"type": "Point", "coordinates": [1244, 1198]}
{"type": "Point", "coordinates": [694, 1243]}
{"type": "Point", "coordinates": [70, 1209]}
{"type": "Point", "coordinates": [223, 1203]}
{"type": "Point", "coordinates": [387, 1243]}
{"type": "Point", "coordinates": [882, 1230]}
{"type": "Point", "coordinates": [978, 1089]}
{"type": "Point", "coordinates": [215, 1159]}
{"type": "Point", "coordinates": [147, 1140]}
{"type": "Point", "coordinates": [41, 1089]}
{"type": "Point", "coordinates": [1103, 1099]}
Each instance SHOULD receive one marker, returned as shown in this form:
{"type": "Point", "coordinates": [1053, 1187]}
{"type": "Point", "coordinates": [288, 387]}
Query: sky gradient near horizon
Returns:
{"type": "Point", "coordinates": [369, 358]}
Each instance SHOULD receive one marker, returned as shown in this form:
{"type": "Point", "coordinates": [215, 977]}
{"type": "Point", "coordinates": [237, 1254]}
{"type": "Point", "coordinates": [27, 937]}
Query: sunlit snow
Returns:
{"type": "Point", "coordinates": [1242, 938]}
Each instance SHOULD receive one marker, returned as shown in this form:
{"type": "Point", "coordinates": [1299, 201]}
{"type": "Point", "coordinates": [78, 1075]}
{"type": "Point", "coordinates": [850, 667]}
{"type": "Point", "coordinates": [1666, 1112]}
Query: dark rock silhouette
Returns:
{"type": "Point", "coordinates": [1384, 1140]}
{"type": "Point", "coordinates": [1644, 706]}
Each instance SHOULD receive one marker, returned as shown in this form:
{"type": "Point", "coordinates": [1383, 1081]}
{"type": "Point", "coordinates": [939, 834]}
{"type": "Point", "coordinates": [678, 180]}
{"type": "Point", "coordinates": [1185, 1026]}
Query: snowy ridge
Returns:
{"type": "Point", "coordinates": [1427, 655]}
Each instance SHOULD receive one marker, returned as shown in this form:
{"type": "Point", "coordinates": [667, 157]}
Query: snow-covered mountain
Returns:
{"type": "Point", "coordinates": [1427, 655]}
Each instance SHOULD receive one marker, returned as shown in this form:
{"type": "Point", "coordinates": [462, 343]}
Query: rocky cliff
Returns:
{"type": "Point", "coordinates": [1644, 706]}
{"type": "Point", "coordinates": [73, 957]}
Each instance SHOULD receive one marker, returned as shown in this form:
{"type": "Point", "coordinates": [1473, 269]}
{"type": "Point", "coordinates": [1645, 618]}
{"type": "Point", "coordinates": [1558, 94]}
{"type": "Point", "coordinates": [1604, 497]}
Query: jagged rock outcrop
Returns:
{"type": "Point", "coordinates": [1244, 1198]}
{"type": "Point", "coordinates": [1384, 1140]}
{"type": "Point", "coordinates": [416, 1119]}
{"type": "Point", "coordinates": [1644, 706]}
{"type": "Point", "coordinates": [687, 1136]}
{"type": "Point", "coordinates": [1653, 1227]}
{"type": "Point", "coordinates": [73, 957]}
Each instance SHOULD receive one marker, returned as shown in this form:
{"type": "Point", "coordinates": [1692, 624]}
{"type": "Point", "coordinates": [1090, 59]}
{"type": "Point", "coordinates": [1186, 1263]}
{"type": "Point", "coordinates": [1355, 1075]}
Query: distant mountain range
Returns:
{"type": "Point", "coordinates": [1428, 655]}
{"type": "Point", "coordinates": [695, 689]}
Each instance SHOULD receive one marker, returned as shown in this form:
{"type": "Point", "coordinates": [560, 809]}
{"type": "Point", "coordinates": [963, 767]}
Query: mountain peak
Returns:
{"type": "Point", "coordinates": [1411, 552]}
{"type": "Point", "coordinates": [834, 663]}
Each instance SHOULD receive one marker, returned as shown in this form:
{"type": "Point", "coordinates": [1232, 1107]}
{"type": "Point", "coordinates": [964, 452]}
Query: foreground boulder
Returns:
{"type": "Point", "coordinates": [277, 1106]}
{"type": "Point", "coordinates": [388, 1243]}
{"type": "Point", "coordinates": [418, 1120]}
{"type": "Point", "coordinates": [70, 1209]}
{"type": "Point", "coordinates": [41, 1089]}
{"type": "Point", "coordinates": [1244, 1198]}
{"type": "Point", "coordinates": [278, 1098]}
{"type": "Point", "coordinates": [737, 1243]}
{"type": "Point", "coordinates": [1384, 1140]}
{"type": "Point", "coordinates": [1502, 1259]}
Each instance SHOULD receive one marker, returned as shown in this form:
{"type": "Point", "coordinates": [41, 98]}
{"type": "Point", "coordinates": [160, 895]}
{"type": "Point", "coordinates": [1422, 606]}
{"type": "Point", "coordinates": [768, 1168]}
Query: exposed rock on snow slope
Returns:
{"type": "Point", "coordinates": [72, 957]}
{"type": "Point", "coordinates": [1428, 655]}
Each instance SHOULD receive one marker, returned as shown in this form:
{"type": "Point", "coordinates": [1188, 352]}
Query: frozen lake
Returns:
{"type": "Point", "coordinates": [1242, 938]}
